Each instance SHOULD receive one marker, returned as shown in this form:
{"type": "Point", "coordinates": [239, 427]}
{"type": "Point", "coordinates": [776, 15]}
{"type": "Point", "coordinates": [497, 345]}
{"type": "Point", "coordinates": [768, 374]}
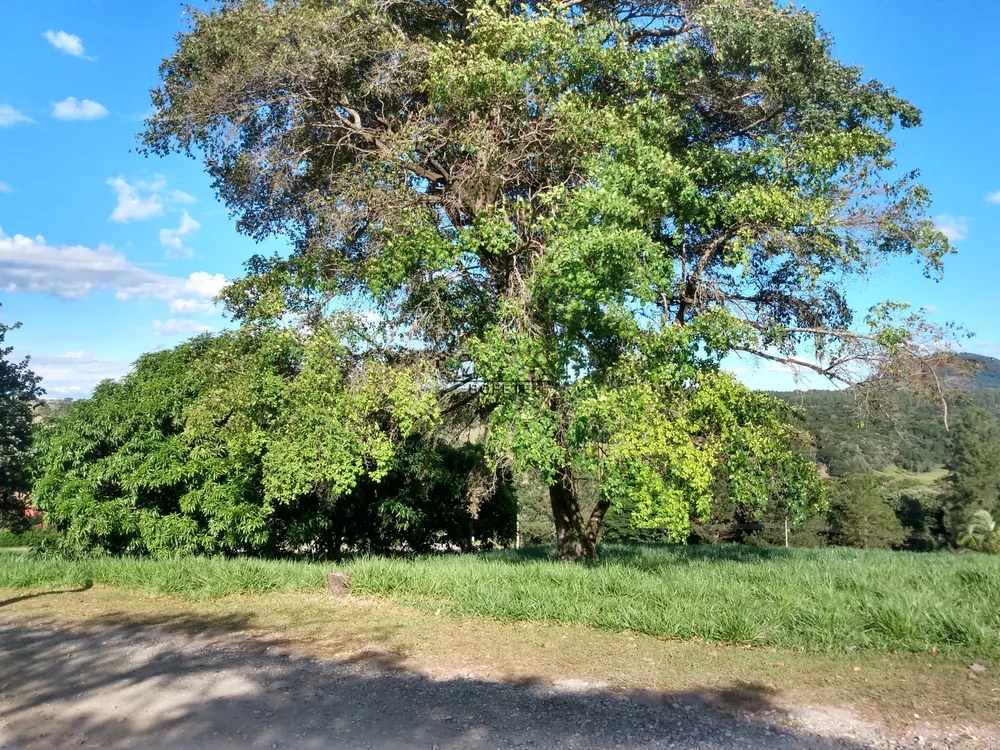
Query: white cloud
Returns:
{"type": "Point", "coordinates": [205, 285]}
{"type": "Point", "coordinates": [993, 197]}
{"type": "Point", "coordinates": [144, 199]}
{"type": "Point", "coordinates": [75, 374]}
{"type": "Point", "coordinates": [190, 306]}
{"type": "Point", "coordinates": [131, 206]}
{"type": "Point", "coordinates": [71, 44]}
{"type": "Point", "coordinates": [10, 116]}
{"type": "Point", "coordinates": [30, 265]}
{"type": "Point", "coordinates": [955, 228]}
{"type": "Point", "coordinates": [171, 238]}
{"type": "Point", "coordinates": [72, 108]}
{"type": "Point", "coordinates": [175, 327]}
{"type": "Point", "coordinates": [6, 188]}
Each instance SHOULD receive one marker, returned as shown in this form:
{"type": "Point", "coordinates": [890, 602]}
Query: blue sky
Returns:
{"type": "Point", "coordinates": [105, 254]}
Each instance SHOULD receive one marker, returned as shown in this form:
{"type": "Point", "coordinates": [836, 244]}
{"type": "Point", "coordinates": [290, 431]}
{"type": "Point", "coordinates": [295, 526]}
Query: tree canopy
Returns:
{"type": "Point", "coordinates": [19, 387]}
{"type": "Point", "coordinates": [591, 202]}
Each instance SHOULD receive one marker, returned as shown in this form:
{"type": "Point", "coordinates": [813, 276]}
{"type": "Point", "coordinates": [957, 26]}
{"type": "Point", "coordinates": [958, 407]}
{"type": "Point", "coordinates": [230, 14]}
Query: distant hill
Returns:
{"type": "Point", "coordinates": [987, 373]}
{"type": "Point", "coordinates": [51, 407]}
{"type": "Point", "coordinates": [910, 434]}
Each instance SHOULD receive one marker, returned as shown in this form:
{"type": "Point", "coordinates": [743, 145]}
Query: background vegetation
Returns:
{"type": "Point", "coordinates": [171, 460]}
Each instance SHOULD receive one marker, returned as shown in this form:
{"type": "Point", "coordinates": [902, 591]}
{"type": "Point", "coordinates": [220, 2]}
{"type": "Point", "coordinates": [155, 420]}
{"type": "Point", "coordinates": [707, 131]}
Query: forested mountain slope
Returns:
{"type": "Point", "coordinates": [909, 434]}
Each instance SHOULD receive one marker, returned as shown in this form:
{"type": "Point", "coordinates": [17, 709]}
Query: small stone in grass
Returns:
{"type": "Point", "coordinates": [339, 583]}
{"type": "Point", "coordinates": [977, 667]}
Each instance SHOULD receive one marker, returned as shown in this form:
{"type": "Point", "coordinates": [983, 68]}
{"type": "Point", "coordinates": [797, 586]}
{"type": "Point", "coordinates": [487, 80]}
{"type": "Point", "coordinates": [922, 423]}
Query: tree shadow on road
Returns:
{"type": "Point", "coordinates": [131, 687]}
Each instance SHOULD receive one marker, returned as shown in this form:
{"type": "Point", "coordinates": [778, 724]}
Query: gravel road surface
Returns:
{"type": "Point", "coordinates": [142, 688]}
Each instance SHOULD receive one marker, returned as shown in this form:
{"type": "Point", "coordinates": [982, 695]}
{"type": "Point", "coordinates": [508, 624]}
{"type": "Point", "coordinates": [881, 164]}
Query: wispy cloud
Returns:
{"type": "Point", "coordinates": [30, 265]}
{"type": "Point", "coordinates": [191, 306]}
{"type": "Point", "coordinates": [10, 116]}
{"type": "Point", "coordinates": [175, 327]}
{"type": "Point", "coordinates": [6, 188]}
{"type": "Point", "coordinates": [955, 228]}
{"type": "Point", "coordinates": [171, 238]}
{"type": "Point", "coordinates": [71, 44]}
{"type": "Point", "coordinates": [144, 199]}
{"type": "Point", "coordinates": [71, 109]}
{"type": "Point", "coordinates": [179, 196]}
{"type": "Point", "coordinates": [988, 346]}
{"type": "Point", "coordinates": [993, 197]}
{"type": "Point", "coordinates": [75, 374]}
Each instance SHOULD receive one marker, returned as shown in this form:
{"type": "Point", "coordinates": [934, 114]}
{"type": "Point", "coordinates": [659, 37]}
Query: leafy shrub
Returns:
{"type": "Point", "coordinates": [260, 442]}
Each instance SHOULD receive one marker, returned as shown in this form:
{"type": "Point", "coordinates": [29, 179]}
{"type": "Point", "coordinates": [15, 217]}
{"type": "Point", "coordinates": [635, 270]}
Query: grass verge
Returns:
{"type": "Point", "coordinates": [833, 600]}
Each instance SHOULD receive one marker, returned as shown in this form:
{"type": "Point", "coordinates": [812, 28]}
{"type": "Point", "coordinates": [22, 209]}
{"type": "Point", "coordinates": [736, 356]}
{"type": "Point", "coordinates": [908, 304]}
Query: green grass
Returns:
{"type": "Point", "coordinates": [196, 577]}
{"type": "Point", "coordinates": [815, 599]}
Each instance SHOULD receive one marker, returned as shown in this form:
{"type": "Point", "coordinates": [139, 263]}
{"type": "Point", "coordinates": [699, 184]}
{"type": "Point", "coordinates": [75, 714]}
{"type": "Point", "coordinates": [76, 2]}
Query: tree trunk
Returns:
{"type": "Point", "coordinates": [573, 541]}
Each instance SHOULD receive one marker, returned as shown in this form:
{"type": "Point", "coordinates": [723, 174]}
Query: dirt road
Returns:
{"type": "Point", "coordinates": [148, 688]}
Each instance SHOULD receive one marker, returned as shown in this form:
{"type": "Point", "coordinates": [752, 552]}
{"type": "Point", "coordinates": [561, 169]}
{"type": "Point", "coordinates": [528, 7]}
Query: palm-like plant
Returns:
{"type": "Point", "coordinates": [981, 533]}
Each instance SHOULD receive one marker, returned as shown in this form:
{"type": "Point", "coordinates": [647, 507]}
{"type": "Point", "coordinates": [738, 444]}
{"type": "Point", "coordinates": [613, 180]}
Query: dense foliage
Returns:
{"type": "Point", "coordinates": [262, 442]}
{"type": "Point", "coordinates": [19, 388]}
{"type": "Point", "coordinates": [595, 201]}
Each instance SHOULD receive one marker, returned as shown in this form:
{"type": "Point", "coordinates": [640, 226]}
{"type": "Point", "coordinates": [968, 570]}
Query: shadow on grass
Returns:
{"type": "Point", "coordinates": [26, 597]}
{"type": "Point", "coordinates": [122, 687]}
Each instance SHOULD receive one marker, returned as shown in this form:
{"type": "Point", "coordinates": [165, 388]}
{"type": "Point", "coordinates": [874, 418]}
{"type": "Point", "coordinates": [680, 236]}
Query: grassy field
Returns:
{"type": "Point", "coordinates": [836, 600]}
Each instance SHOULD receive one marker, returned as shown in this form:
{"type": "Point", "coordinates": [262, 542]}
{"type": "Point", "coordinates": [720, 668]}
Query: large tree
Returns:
{"type": "Point", "coordinates": [584, 205]}
{"type": "Point", "coordinates": [19, 389]}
